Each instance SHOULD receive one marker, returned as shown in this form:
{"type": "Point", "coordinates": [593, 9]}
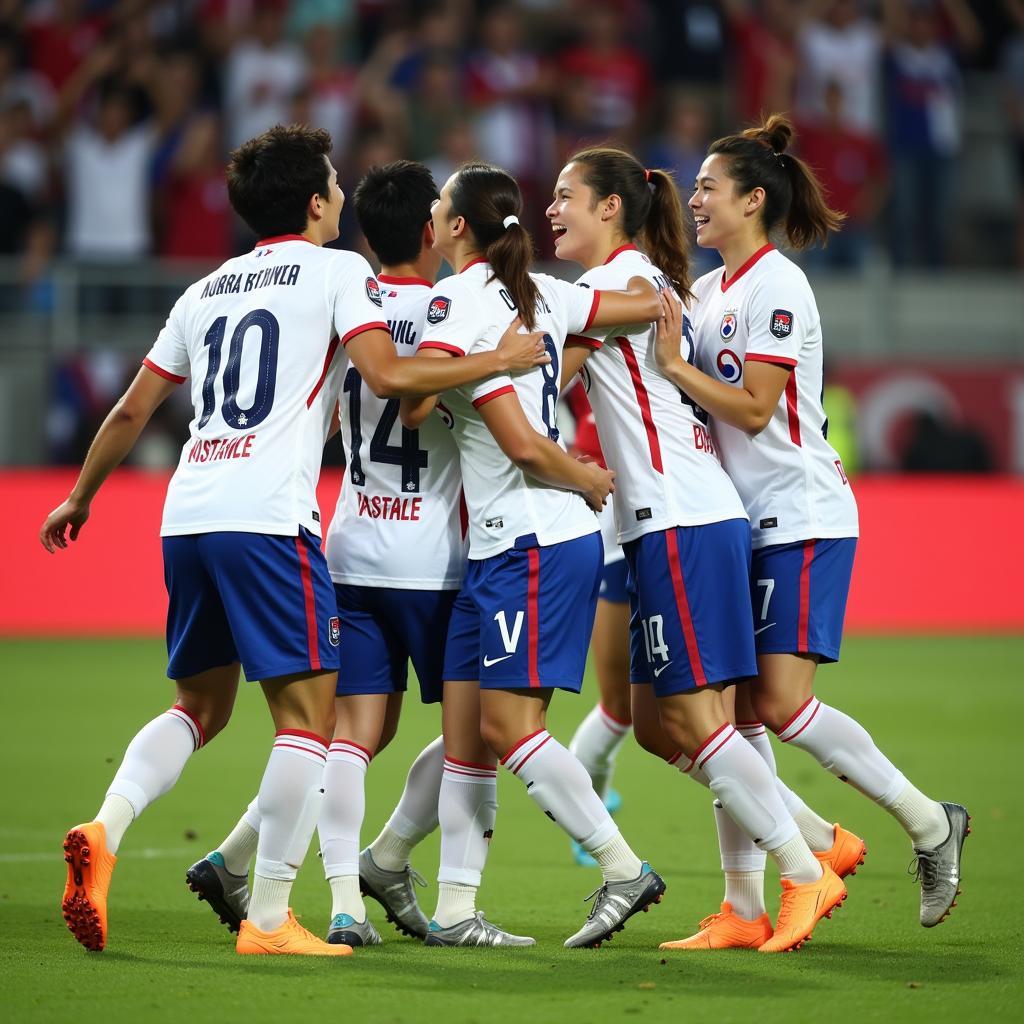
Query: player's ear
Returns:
{"type": "Point", "coordinates": [459, 226]}
{"type": "Point", "coordinates": [427, 241]}
{"type": "Point", "coordinates": [315, 207]}
{"type": "Point", "coordinates": [610, 207]}
{"type": "Point", "coordinates": [755, 200]}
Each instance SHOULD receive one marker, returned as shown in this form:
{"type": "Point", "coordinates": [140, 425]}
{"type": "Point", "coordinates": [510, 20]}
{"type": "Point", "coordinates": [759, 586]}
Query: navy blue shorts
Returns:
{"type": "Point", "coordinates": [523, 618]}
{"type": "Point", "coordinates": [615, 585]}
{"type": "Point", "coordinates": [689, 622]}
{"type": "Point", "coordinates": [798, 592]}
{"type": "Point", "coordinates": [383, 629]}
{"type": "Point", "coordinates": [263, 600]}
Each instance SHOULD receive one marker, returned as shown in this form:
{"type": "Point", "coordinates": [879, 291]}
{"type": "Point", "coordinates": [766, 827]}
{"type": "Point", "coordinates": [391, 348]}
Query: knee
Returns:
{"type": "Point", "coordinates": [211, 715]}
{"type": "Point", "coordinates": [649, 736]}
{"type": "Point", "coordinates": [772, 710]}
{"type": "Point", "coordinates": [495, 734]}
{"type": "Point", "coordinates": [387, 734]}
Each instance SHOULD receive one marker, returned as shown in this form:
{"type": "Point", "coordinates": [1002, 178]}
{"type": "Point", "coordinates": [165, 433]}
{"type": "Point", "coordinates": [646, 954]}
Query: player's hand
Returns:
{"type": "Point", "coordinates": [71, 513]}
{"type": "Point", "coordinates": [602, 484]}
{"type": "Point", "coordinates": [521, 352]}
{"type": "Point", "coordinates": [670, 330]}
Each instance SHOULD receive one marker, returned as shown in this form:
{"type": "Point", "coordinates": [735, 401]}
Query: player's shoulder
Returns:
{"type": "Point", "coordinates": [775, 274]}
{"type": "Point", "coordinates": [703, 288]}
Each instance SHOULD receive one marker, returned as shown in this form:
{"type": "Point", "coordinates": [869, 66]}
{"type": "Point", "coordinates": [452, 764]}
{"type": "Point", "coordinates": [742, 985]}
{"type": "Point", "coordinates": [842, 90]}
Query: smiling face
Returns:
{"type": "Point", "coordinates": [440, 219]}
{"type": "Point", "coordinates": [331, 206]}
{"type": "Point", "coordinates": [720, 213]}
{"type": "Point", "coordinates": [582, 231]}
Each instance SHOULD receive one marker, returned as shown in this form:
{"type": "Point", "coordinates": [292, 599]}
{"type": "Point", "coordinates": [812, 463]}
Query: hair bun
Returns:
{"type": "Point", "coordinates": [776, 132]}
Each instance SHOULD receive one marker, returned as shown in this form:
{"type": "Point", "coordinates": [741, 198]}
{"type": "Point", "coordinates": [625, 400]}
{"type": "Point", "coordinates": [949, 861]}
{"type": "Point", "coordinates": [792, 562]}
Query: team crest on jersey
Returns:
{"type": "Point", "coordinates": [373, 291]}
{"type": "Point", "coordinates": [334, 630]}
{"type": "Point", "coordinates": [728, 328]}
{"type": "Point", "coordinates": [729, 366]}
{"type": "Point", "coordinates": [438, 311]}
{"type": "Point", "coordinates": [781, 323]}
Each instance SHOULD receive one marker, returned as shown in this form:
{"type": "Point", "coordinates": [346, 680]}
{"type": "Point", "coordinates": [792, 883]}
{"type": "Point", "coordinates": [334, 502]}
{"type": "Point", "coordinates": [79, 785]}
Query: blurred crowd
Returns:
{"type": "Point", "coordinates": [116, 116]}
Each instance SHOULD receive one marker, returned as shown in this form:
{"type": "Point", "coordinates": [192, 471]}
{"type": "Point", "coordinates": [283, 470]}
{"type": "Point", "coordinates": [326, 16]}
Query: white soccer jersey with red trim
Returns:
{"type": "Point", "coordinates": [507, 509]}
{"type": "Point", "coordinates": [259, 339]}
{"type": "Point", "coordinates": [789, 477]}
{"type": "Point", "coordinates": [398, 520]}
{"type": "Point", "coordinates": [666, 471]}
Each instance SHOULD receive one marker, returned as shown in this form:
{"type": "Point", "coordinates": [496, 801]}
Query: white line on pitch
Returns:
{"type": "Point", "coordinates": [55, 855]}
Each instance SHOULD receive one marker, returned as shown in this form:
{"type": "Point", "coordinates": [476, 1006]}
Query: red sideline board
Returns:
{"type": "Point", "coordinates": [937, 555]}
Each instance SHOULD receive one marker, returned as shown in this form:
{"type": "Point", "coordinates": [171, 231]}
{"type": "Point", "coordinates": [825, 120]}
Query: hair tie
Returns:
{"type": "Point", "coordinates": [647, 175]}
{"type": "Point", "coordinates": [510, 220]}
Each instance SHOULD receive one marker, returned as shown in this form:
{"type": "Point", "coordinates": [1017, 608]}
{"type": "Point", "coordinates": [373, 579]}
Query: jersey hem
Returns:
{"type": "Point", "coordinates": [383, 583]}
{"type": "Point", "coordinates": [161, 372]}
{"type": "Point", "coordinates": [376, 325]}
{"type": "Point", "coordinates": [660, 525]}
{"type": "Point", "coordinates": [759, 357]}
{"type": "Point", "coordinates": [270, 529]}
{"type": "Point", "coordinates": [476, 555]}
{"type": "Point", "coordinates": [777, 540]}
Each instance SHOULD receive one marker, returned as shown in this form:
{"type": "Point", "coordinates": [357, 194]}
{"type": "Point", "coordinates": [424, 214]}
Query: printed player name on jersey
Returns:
{"type": "Point", "coordinates": [234, 284]}
{"type": "Point", "coordinates": [222, 448]}
{"type": "Point", "coordinates": [386, 506]}
{"type": "Point", "coordinates": [402, 332]}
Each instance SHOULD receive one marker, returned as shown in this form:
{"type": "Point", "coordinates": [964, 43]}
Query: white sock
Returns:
{"type": "Point", "coordinates": [468, 808]}
{"type": "Point", "coordinates": [288, 803]}
{"type": "Point", "coordinates": [817, 832]}
{"type": "Point", "coordinates": [415, 817]}
{"type": "Point", "coordinates": [924, 819]}
{"type": "Point", "coordinates": [455, 903]}
{"type": "Point", "coordinates": [341, 818]}
{"type": "Point", "coordinates": [844, 747]}
{"type": "Point", "coordinates": [595, 744]}
{"type": "Point", "coordinates": [239, 846]}
{"type": "Point", "coordinates": [151, 766]}
{"type": "Point", "coordinates": [618, 863]}
{"type": "Point", "coordinates": [561, 787]}
{"type": "Point", "coordinates": [796, 862]}
{"type": "Point", "coordinates": [743, 866]}
{"type": "Point", "coordinates": [744, 892]}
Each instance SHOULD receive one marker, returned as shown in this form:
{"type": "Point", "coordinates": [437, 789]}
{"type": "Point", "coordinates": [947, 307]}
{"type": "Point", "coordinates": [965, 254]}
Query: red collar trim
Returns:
{"type": "Point", "coordinates": [472, 263]}
{"type": "Point", "coordinates": [763, 251]}
{"type": "Point", "coordinates": [282, 238]}
{"type": "Point", "coordinates": [388, 279]}
{"type": "Point", "coordinates": [622, 248]}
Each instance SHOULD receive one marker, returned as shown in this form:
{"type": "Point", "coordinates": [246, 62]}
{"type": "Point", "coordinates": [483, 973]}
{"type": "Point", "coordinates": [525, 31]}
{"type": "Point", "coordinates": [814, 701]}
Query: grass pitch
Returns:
{"type": "Point", "coordinates": [947, 710]}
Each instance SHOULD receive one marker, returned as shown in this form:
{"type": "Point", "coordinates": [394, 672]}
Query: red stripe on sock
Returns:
{"type": "Point", "coordinates": [278, 745]}
{"type": "Point", "coordinates": [796, 714]}
{"type": "Point", "coordinates": [683, 607]}
{"type": "Point", "coordinates": [674, 759]}
{"type": "Point", "coordinates": [471, 775]}
{"type": "Point", "coordinates": [522, 764]}
{"type": "Point", "coordinates": [618, 721]}
{"type": "Point", "coordinates": [715, 750]}
{"type": "Point", "coordinates": [315, 737]}
{"type": "Point", "coordinates": [312, 640]}
{"type": "Point", "coordinates": [195, 721]}
{"type": "Point", "coordinates": [472, 764]}
{"type": "Point", "coordinates": [810, 719]}
{"type": "Point", "coordinates": [704, 746]}
{"type": "Point", "coordinates": [525, 739]}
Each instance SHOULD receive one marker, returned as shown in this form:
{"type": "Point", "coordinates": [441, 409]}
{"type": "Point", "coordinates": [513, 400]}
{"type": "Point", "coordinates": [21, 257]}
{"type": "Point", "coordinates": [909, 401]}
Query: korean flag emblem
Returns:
{"type": "Point", "coordinates": [334, 630]}
{"type": "Point", "coordinates": [728, 328]}
{"type": "Point", "coordinates": [438, 310]}
{"type": "Point", "coordinates": [373, 291]}
{"type": "Point", "coordinates": [782, 323]}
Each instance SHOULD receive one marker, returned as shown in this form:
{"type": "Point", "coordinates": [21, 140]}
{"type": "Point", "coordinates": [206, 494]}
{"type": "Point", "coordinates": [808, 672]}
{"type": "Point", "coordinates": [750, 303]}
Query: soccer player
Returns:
{"type": "Point", "coordinates": [758, 345]}
{"type": "Point", "coordinates": [680, 521]}
{"type": "Point", "coordinates": [522, 621]}
{"type": "Point", "coordinates": [396, 552]}
{"type": "Point", "coordinates": [248, 586]}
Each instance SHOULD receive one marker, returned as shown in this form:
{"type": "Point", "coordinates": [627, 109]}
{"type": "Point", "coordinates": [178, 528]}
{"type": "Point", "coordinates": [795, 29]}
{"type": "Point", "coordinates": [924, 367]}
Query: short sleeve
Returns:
{"type": "Point", "coordinates": [584, 308]}
{"type": "Point", "coordinates": [169, 355]}
{"type": "Point", "coordinates": [452, 322]}
{"type": "Point", "coordinates": [778, 318]}
{"type": "Point", "coordinates": [357, 305]}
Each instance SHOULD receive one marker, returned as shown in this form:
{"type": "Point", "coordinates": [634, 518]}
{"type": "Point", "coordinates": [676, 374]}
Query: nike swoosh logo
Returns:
{"type": "Point", "coordinates": [488, 662]}
{"type": "Point", "coordinates": [658, 671]}
{"type": "Point", "coordinates": [763, 628]}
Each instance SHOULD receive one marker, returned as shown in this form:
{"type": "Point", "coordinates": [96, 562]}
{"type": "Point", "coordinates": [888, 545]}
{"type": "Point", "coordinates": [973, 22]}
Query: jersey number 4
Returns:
{"type": "Point", "coordinates": [408, 454]}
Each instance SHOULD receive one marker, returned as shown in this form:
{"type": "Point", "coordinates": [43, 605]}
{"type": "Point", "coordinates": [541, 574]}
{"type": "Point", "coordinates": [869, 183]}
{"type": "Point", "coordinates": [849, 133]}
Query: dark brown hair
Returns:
{"type": "Point", "coordinates": [756, 158]}
{"type": "Point", "coordinates": [652, 211]}
{"type": "Point", "coordinates": [484, 196]}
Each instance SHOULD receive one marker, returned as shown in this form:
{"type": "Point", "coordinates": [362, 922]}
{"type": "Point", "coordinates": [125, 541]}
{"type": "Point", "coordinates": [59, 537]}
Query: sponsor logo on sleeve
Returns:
{"type": "Point", "coordinates": [373, 291]}
{"type": "Point", "coordinates": [781, 324]}
{"type": "Point", "coordinates": [438, 310]}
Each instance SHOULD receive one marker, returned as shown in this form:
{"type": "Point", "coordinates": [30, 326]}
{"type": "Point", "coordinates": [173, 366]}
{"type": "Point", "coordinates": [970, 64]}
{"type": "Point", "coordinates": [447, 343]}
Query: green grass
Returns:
{"type": "Point", "coordinates": [947, 710]}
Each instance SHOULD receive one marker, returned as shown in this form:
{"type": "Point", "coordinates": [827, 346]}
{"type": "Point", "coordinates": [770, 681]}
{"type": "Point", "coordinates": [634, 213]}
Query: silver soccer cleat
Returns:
{"type": "Point", "coordinates": [477, 931]}
{"type": "Point", "coordinates": [938, 870]}
{"type": "Point", "coordinates": [347, 931]}
{"type": "Point", "coordinates": [395, 892]}
{"type": "Point", "coordinates": [227, 894]}
{"type": "Point", "coordinates": [617, 902]}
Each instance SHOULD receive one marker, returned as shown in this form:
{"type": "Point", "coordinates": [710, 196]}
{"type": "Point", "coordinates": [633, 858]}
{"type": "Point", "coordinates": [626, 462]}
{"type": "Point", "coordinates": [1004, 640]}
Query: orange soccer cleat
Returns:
{"type": "Point", "coordinates": [802, 907]}
{"type": "Point", "coordinates": [726, 930]}
{"type": "Point", "coordinates": [290, 939]}
{"type": "Point", "coordinates": [90, 866]}
{"type": "Point", "coordinates": [846, 854]}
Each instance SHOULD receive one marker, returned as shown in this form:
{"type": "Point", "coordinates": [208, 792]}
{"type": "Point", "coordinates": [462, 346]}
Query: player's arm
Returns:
{"type": "Point", "coordinates": [413, 411]}
{"type": "Point", "coordinates": [749, 407]}
{"type": "Point", "coordinates": [574, 355]}
{"type": "Point", "coordinates": [113, 441]}
{"type": "Point", "coordinates": [538, 456]}
{"type": "Point", "coordinates": [638, 304]}
{"type": "Point", "coordinates": [389, 376]}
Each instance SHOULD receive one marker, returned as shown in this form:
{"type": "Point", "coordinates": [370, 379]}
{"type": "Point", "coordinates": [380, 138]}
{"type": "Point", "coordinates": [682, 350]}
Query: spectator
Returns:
{"type": "Point", "coordinates": [692, 47]}
{"type": "Point", "coordinates": [334, 88]}
{"type": "Point", "coordinates": [18, 84]}
{"type": "Point", "coordinates": [764, 52]}
{"type": "Point", "coordinates": [436, 103]}
{"type": "Point", "coordinates": [59, 37]}
{"type": "Point", "coordinates": [852, 168]}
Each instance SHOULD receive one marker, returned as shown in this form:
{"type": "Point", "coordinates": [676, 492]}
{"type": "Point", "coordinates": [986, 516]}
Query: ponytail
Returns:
{"type": "Point", "coordinates": [794, 198]}
{"type": "Point", "coordinates": [652, 211]}
{"type": "Point", "coordinates": [486, 197]}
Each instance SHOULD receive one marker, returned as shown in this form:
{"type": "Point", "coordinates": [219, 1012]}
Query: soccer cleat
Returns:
{"type": "Point", "coordinates": [726, 930]}
{"type": "Point", "coordinates": [350, 932]}
{"type": "Point", "coordinates": [476, 931]}
{"type": "Point", "coordinates": [612, 802]}
{"type": "Point", "coordinates": [802, 907]}
{"type": "Point", "coordinates": [90, 866]}
{"type": "Point", "coordinates": [290, 939]}
{"type": "Point", "coordinates": [617, 902]}
{"type": "Point", "coordinates": [395, 892]}
{"type": "Point", "coordinates": [846, 854]}
{"type": "Point", "coordinates": [938, 870]}
{"type": "Point", "coordinates": [227, 894]}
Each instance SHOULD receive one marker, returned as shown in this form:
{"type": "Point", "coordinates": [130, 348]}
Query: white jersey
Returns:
{"type": "Point", "coordinates": [398, 520]}
{"type": "Point", "coordinates": [789, 477]}
{"type": "Point", "coordinates": [259, 338]}
{"type": "Point", "coordinates": [666, 471]}
{"type": "Point", "coordinates": [507, 509]}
